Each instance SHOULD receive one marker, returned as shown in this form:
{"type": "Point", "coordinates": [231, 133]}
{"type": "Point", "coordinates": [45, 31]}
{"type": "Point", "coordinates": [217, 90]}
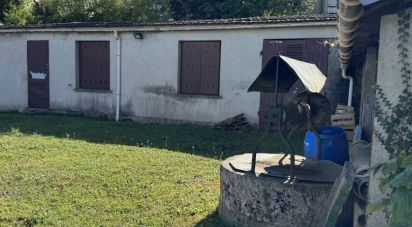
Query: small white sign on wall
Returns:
{"type": "Point", "coordinates": [38, 76]}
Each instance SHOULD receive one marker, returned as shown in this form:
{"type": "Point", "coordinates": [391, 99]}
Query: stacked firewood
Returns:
{"type": "Point", "coordinates": [236, 123]}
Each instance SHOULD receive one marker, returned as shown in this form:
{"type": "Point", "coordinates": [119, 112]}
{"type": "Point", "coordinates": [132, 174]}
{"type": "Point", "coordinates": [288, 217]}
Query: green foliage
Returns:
{"type": "Point", "coordinates": [5, 6]}
{"type": "Point", "coordinates": [135, 10]}
{"type": "Point", "coordinates": [16, 12]}
{"type": "Point", "coordinates": [374, 207]}
{"type": "Point", "coordinates": [396, 137]}
{"type": "Point", "coordinates": [59, 11]}
{"type": "Point", "coordinates": [214, 9]}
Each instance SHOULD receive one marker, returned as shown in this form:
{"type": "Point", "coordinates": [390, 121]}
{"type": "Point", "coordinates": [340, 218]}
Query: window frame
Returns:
{"type": "Point", "coordinates": [180, 62]}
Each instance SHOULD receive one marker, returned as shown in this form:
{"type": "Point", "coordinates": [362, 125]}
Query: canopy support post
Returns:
{"type": "Point", "coordinates": [270, 113]}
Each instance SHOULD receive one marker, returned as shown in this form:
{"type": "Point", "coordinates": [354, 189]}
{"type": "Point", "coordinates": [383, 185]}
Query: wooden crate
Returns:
{"type": "Point", "coordinates": [341, 109]}
{"type": "Point", "coordinates": [345, 121]}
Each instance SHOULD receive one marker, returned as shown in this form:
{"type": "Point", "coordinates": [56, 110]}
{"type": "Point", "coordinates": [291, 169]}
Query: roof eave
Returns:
{"type": "Point", "coordinates": [168, 27]}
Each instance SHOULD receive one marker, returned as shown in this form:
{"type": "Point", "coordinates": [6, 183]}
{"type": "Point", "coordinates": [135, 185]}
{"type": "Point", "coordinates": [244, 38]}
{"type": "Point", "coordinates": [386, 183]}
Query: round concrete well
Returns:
{"type": "Point", "coordinates": [267, 197]}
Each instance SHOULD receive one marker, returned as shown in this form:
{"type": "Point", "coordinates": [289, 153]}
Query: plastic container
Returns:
{"type": "Point", "coordinates": [334, 145]}
{"type": "Point", "coordinates": [310, 146]}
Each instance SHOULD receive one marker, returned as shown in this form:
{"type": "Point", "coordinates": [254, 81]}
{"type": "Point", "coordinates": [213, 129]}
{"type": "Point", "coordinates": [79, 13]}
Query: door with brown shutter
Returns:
{"type": "Point", "coordinates": [295, 48]}
{"type": "Point", "coordinates": [309, 50]}
{"type": "Point", "coordinates": [317, 53]}
{"type": "Point", "coordinates": [38, 74]}
{"type": "Point", "coordinates": [270, 48]}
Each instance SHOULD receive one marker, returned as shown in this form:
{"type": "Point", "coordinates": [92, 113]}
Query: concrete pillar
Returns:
{"type": "Point", "coordinates": [389, 79]}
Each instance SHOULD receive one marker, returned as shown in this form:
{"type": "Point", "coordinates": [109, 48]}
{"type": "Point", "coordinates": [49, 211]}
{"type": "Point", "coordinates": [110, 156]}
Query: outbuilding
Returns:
{"type": "Point", "coordinates": [174, 71]}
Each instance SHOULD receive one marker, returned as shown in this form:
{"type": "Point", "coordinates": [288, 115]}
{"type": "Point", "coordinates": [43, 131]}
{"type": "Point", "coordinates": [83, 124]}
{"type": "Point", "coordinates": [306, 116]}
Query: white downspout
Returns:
{"type": "Point", "coordinates": [118, 73]}
{"type": "Point", "coordinates": [350, 85]}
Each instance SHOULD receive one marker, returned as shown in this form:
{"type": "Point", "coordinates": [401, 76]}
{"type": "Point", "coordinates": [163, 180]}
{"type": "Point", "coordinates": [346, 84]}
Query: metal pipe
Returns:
{"type": "Point", "coordinates": [118, 74]}
{"type": "Point", "coordinates": [276, 80]}
{"type": "Point", "coordinates": [347, 77]}
{"type": "Point", "coordinates": [270, 115]}
{"type": "Point", "coordinates": [350, 91]}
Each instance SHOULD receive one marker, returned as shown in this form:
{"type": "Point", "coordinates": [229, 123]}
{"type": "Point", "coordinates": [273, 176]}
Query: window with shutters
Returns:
{"type": "Point", "coordinates": [200, 67]}
{"type": "Point", "coordinates": [93, 65]}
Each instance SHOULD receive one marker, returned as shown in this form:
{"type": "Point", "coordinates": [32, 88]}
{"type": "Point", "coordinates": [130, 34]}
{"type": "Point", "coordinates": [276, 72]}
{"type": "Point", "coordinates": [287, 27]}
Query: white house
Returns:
{"type": "Point", "coordinates": [182, 71]}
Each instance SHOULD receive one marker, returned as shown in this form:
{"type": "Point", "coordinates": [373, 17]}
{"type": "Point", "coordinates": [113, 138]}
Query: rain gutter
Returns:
{"type": "Point", "coordinates": [349, 13]}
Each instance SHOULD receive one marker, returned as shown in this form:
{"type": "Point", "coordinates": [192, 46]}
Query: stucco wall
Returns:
{"type": "Point", "coordinates": [13, 72]}
{"type": "Point", "coordinates": [388, 77]}
{"type": "Point", "coordinates": [149, 72]}
{"type": "Point", "coordinates": [62, 70]}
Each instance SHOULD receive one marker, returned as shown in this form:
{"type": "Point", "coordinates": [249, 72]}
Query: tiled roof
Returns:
{"type": "Point", "coordinates": [233, 21]}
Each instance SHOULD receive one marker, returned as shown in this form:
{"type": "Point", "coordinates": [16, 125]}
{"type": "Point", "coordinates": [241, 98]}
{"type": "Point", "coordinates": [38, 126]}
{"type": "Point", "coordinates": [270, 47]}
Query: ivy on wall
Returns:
{"type": "Point", "coordinates": [395, 120]}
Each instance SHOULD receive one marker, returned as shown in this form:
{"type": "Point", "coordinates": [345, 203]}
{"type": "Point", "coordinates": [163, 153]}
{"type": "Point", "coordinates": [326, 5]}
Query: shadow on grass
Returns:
{"type": "Point", "coordinates": [210, 220]}
{"type": "Point", "coordinates": [185, 138]}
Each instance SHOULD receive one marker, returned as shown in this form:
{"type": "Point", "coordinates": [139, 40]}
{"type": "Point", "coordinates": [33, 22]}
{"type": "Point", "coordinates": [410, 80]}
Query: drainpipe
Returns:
{"type": "Point", "coordinates": [118, 74]}
{"type": "Point", "coordinates": [347, 77]}
{"type": "Point", "coordinates": [349, 13]}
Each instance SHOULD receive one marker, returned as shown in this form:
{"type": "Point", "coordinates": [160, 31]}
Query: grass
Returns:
{"type": "Point", "coordinates": [78, 171]}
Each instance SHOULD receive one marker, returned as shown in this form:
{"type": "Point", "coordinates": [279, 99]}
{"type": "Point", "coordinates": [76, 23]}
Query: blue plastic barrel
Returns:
{"type": "Point", "coordinates": [334, 145]}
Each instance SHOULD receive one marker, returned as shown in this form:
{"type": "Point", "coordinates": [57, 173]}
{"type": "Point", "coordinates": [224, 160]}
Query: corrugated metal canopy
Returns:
{"type": "Point", "coordinates": [289, 71]}
{"type": "Point", "coordinates": [349, 13]}
{"type": "Point", "coordinates": [368, 2]}
{"type": "Point", "coordinates": [359, 25]}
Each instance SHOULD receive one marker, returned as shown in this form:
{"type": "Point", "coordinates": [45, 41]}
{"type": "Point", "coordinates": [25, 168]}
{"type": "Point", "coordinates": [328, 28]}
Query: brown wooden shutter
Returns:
{"type": "Point", "coordinates": [200, 67]}
{"type": "Point", "coordinates": [272, 48]}
{"type": "Point", "coordinates": [94, 65]}
{"type": "Point", "coordinates": [317, 53]}
{"type": "Point", "coordinates": [295, 48]}
{"type": "Point", "coordinates": [210, 68]}
{"type": "Point", "coordinates": [309, 50]}
{"type": "Point", "coordinates": [190, 67]}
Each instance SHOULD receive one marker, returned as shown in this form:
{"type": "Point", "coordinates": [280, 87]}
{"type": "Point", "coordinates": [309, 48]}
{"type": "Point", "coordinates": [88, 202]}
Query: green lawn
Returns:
{"type": "Point", "coordinates": [78, 171]}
